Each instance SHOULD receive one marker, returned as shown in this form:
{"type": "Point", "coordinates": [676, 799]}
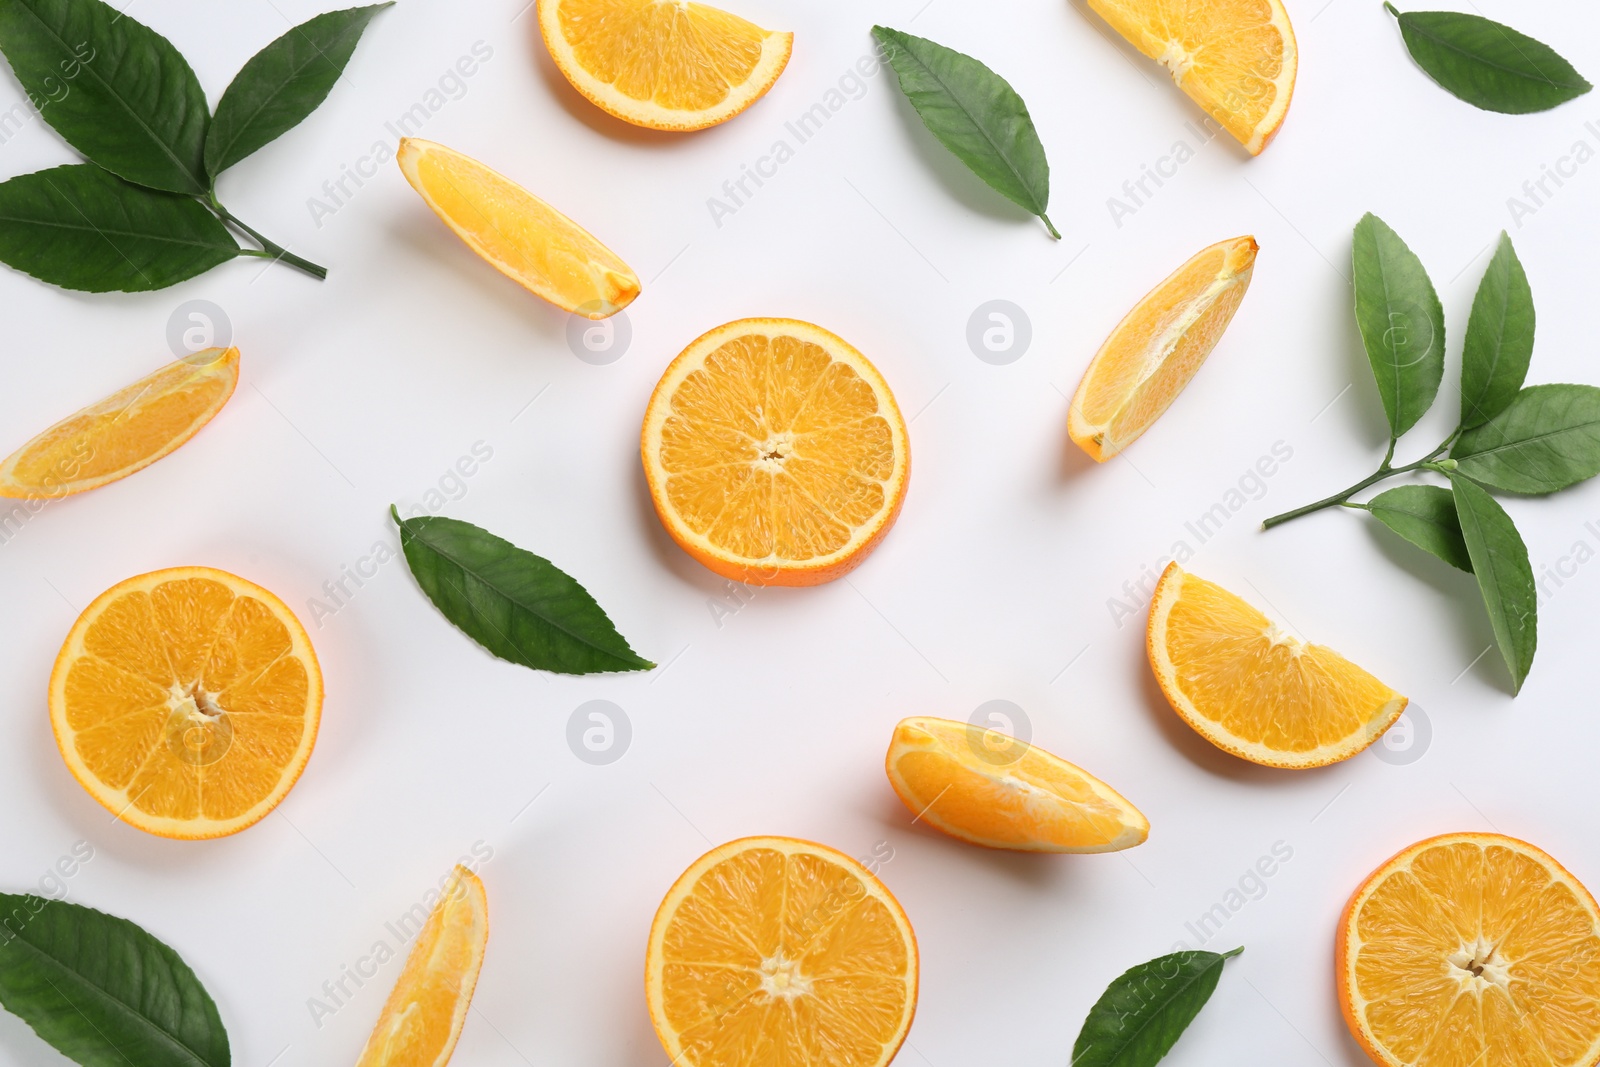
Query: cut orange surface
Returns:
{"type": "Point", "coordinates": [520, 235]}
{"type": "Point", "coordinates": [1158, 347]}
{"type": "Point", "coordinates": [775, 453]}
{"type": "Point", "coordinates": [773, 952]}
{"type": "Point", "coordinates": [1472, 950]}
{"type": "Point", "coordinates": [667, 66]}
{"type": "Point", "coordinates": [989, 789]}
{"type": "Point", "coordinates": [1255, 690]}
{"type": "Point", "coordinates": [1235, 58]}
{"type": "Point", "coordinates": [125, 432]}
{"type": "Point", "coordinates": [423, 1017]}
{"type": "Point", "coordinates": [187, 701]}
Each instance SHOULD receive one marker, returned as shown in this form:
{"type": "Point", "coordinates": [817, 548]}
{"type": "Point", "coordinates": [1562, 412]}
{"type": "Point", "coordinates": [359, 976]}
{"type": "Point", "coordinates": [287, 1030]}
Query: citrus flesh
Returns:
{"type": "Point", "coordinates": [666, 66]}
{"type": "Point", "coordinates": [1235, 58]}
{"type": "Point", "coordinates": [993, 790]}
{"type": "Point", "coordinates": [1255, 690]}
{"type": "Point", "coordinates": [772, 951]}
{"type": "Point", "coordinates": [1158, 347]}
{"type": "Point", "coordinates": [1470, 950]}
{"type": "Point", "coordinates": [520, 235]}
{"type": "Point", "coordinates": [775, 453]}
{"type": "Point", "coordinates": [187, 701]}
{"type": "Point", "coordinates": [126, 432]}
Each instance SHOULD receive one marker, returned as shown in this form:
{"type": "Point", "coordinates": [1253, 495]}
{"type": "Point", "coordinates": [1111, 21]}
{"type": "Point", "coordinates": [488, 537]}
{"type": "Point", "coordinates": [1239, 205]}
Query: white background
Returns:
{"type": "Point", "coordinates": [366, 389]}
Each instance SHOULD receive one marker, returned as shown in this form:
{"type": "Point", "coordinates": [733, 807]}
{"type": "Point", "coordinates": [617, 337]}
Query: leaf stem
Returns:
{"type": "Point", "coordinates": [1050, 226]}
{"type": "Point", "coordinates": [272, 250]}
{"type": "Point", "coordinates": [1235, 952]}
{"type": "Point", "coordinates": [1383, 472]}
{"type": "Point", "coordinates": [1390, 8]}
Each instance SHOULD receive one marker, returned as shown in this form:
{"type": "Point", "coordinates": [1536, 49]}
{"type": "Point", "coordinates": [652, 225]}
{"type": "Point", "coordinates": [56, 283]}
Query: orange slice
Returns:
{"type": "Point", "coordinates": [667, 66]}
{"type": "Point", "coordinates": [125, 432]}
{"type": "Point", "coordinates": [1472, 950]}
{"type": "Point", "coordinates": [520, 235]}
{"type": "Point", "coordinates": [186, 701]}
{"type": "Point", "coordinates": [1235, 58]}
{"type": "Point", "coordinates": [1255, 690]}
{"type": "Point", "coordinates": [423, 1017]}
{"type": "Point", "coordinates": [775, 453]}
{"type": "Point", "coordinates": [993, 790]}
{"type": "Point", "coordinates": [772, 952]}
{"type": "Point", "coordinates": [1158, 347]}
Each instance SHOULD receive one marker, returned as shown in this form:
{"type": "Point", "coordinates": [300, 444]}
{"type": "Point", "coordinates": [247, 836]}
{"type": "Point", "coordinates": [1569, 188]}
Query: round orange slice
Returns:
{"type": "Point", "coordinates": [125, 432]}
{"type": "Point", "coordinates": [775, 453]}
{"type": "Point", "coordinates": [989, 789]}
{"type": "Point", "coordinates": [520, 235]}
{"type": "Point", "coordinates": [1158, 347]}
{"type": "Point", "coordinates": [773, 952]}
{"type": "Point", "coordinates": [1472, 949]}
{"type": "Point", "coordinates": [187, 701]}
{"type": "Point", "coordinates": [1235, 58]}
{"type": "Point", "coordinates": [672, 66]}
{"type": "Point", "coordinates": [1255, 690]}
{"type": "Point", "coordinates": [422, 1019]}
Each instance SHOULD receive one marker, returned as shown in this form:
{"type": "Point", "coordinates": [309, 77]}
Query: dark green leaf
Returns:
{"type": "Point", "coordinates": [975, 114]}
{"type": "Point", "coordinates": [1486, 64]}
{"type": "Point", "coordinates": [119, 92]}
{"type": "Point", "coordinates": [282, 84]}
{"type": "Point", "coordinates": [1142, 1014]}
{"type": "Point", "coordinates": [102, 991]}
{"type": "Point", "coordinates": [1401, 321]}
{"type": "Point", "coordinates": [1499, 341]}
{"type": "Point", "coordinates": [1546, 439]}
{"type": "Point", "coordinates": [1505, 577]}
{"type": "Point", "coordinates": [1426, 516]}
{"type": "Point", "coordinates": [80, 227]}
{"type": "Point", "coordinates": [517, 605]}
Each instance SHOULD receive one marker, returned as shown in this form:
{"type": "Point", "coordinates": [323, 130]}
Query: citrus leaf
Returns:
{"type": "Point", "coordinates": [1142, 1014]}
{"type": "Point", "coordinates": [1401, 321]}
{"type": "Point", "coordinates": [118, 91]}
{"type": "Point", "coordinates": [1505, 577]}
{"type": "Point", "coordinates": [1546, 439]}
{"type": "Point", "coordinates": [1426, 516]}
{"type": "Point", "coordinates": [517, 605]}
{"type": "Point", "coordinates": [282, 84]}
{"type": "Point", "coordinates": [975, 114]}
{"type": "Point", "coordinates": [1489, 65]}
{"type": "Point", "coordinates": [1499, 344]}
{"type": "Point", "coordinates": [81, 227]}
{"type": "Point", "coordinates": [102, 991]}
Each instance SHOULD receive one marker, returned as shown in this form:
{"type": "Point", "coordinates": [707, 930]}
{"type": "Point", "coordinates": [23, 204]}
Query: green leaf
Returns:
{"type": "Point", "coordinates": [1426, 516]}
{"type": "Point", "coordinates": [1401, 321]}
{"type": "Point", "coordinates": [282, 84]}
{"type": "Point", "coordinates": [1546, 439]}
{"type": "Point", "coordinates": [80, 227]}
{"type": "Point", "coordinates": [119, 92]}
{"type": "Point", "coordinates": [975, 114]}
{"type": "Point", "coordinates": [1505, 577]}
{"type": "Point", "coordinates": [1488, 65]}
{"type": "Point", "coordinates": [102, 991]}
{"type": "Point", "coordinates": [1142, 1014]}
{"type": "Point", "coordinates": [517, 605]}
{"type": "Point", "coordinates": [1499, 342]}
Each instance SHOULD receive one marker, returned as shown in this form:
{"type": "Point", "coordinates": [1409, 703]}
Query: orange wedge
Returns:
{"type": "Point", "coordinates": [775, 453]}
{"type": "Point", "coordinates": [520, 235]}
{"type": "Point", "coordinates": [1158, 347]}
{"type": "Point", "coordinates": [1472, 950]}
{"type": "Point", "coordinates": [1235, 58]}
{"type": "Point", "coordinates": [1255, 690]}
{"type": "Point", "coordinates": [423, 1017]}
{"type": "Point", "coordinates": [187, 701]}
{"type": "Point", "coordinates": [125, 432]}
{"type": "Point", "coordinates": [772, 952]}
{"type": "Point", "coordinates": [667, 66]}
{"type": "Point", "coordinates": [992, 790]}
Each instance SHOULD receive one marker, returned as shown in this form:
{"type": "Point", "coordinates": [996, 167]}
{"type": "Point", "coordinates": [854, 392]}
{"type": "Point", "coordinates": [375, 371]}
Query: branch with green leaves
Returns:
{"type": "Point", "coordinates": [143, 212]}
